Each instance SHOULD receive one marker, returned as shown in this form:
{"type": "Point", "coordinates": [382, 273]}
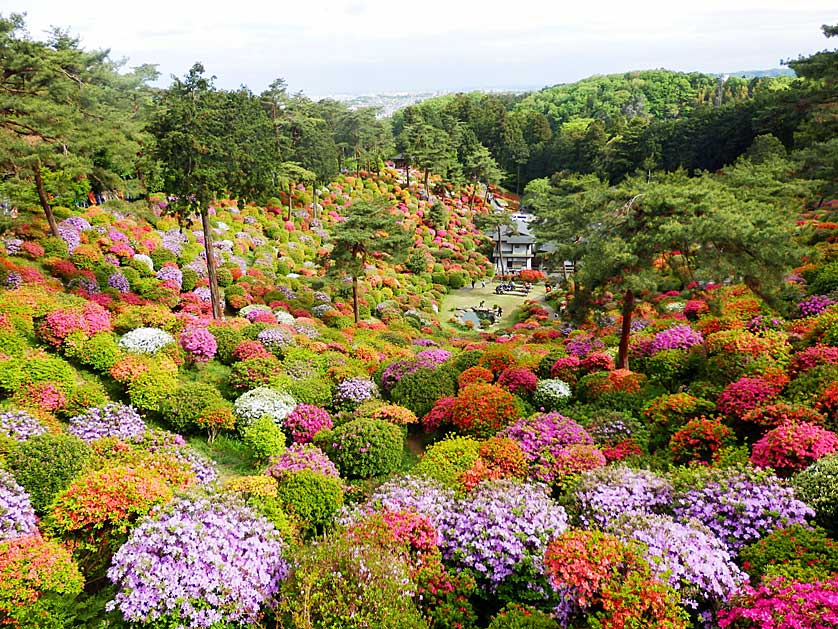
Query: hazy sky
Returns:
{"type": "Point", "coordinates": [359, 46]}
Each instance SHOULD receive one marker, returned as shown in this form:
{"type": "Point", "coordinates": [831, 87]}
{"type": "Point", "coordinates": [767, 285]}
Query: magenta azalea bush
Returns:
{"type": "Point", "coordinates": [301, 456]}
{"type": "Point", "coordinates": [792, 447]}
{"type": "Point", "coordinates": [501, 527]}
{"type": "Point", "coordinates": [198, 563]}
{"type": "Point", "coordinates": [784, 604]}
{"type": "Point", "coordinates": [199, 343]}
{"type": "Point", "coordinates": [677, 337]}
{"type": "Point", "coordinates": [305, 421]}
{"type": "Point", "coordinates": [112, 420]}
{"type": "Point", "coordinates": [17, 518]}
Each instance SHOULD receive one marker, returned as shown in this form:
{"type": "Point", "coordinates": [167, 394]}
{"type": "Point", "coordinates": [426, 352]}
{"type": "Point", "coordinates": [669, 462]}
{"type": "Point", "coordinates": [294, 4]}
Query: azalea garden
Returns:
{"type": "Point", "coordinates": [217, 412]}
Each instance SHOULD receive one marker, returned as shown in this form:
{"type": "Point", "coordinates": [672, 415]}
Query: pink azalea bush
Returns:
{"type": "Point", "coordinates": [746, 394]}
{"type": "Point", "coordinates": [305, 421]}
{"type": "Point", "coordinates": [783, 604]}
{"type": "Point", "coordinates": [199, 343]}
{"type": "Point", "coordinates": [792, 447]}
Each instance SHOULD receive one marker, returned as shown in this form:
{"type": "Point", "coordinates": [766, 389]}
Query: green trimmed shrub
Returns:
{"type": "Point", "coordinates": [817, 486]}
{"type": "Point", "coordinates": [515, 616]}
{"type": "Point", "coordinates": [83, 397]}
{"type": "Point", "coordinates": [227, 340]}
{"type": "Point", "coordinates": [150, 389]}
{"type": "Point", "coordinates": [264, 439]}
{"type": "Point", "coordinates": [796, 552]}
{"type": "Point", "coordinates": [364, 447]}
{"type": "Point", "coordinates": [189, 280]}
{"type": "Point", "coordinates": [46, 464]}
{"type": "Point", "coordinates": [180, 408]}
{"type": "Point", "coordinates": [448, 459]}
{"type": "Point", "coordinates": [419, 390]}
{"type": "Point", "coordinates": [312, 497]}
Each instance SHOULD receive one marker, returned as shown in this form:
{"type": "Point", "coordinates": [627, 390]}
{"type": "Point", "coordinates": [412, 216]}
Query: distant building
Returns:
{"type": "Point", "coordinates": [518, 248]}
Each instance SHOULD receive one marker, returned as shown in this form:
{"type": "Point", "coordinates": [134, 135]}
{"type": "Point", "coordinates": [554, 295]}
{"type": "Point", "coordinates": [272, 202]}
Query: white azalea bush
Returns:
{"type": "Point", "coordinates": [262, 401]}
{"type": "Point", "coordinates": [551, 393]}
{"type": "Point", "coordinates": [146, 340]}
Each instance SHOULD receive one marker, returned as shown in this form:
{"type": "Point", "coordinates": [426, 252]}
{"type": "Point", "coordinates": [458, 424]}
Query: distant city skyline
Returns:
{"type": "Point", "coordinates": [355, 47]}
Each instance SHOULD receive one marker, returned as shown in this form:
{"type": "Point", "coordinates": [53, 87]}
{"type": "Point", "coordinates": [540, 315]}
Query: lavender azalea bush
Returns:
{"type": "Point", "coordinates": [687, 556]}
{"type": "Point", "coordinates": [740, 505]}
{"type": "Point", "coordinates": [608, 492]}
{"type": "Point", "coordinates": [501, 527]}
{"type": "Point", "coordinates": [17, 518]}
{"type": "Point", "coordinates": [198, 563]}
{"type": "Point", "coordinates": [20, 425]}
{"type": "Point", "coordinates": [354, 391]}
{"type": "Point", "coordinates": [112, 420]}
{"type": "Point", "coordinates": [677, 337]}
{"type": "Point", "coordinates": [421, 494]}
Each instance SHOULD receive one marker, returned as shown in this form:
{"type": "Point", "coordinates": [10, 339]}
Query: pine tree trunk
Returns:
{"type": "Point", "coordinates": [215, 297]}
{"type": "Point", "coordinates": [355, 297]}
{"type": "Point", "coordinates": [427, 176]}
{"type": "Point", "coordinates": [471, 197]}
{"type": "Point", "coordinates": [290, 196]}
{"type": "Point", "coordinates": [42, 197]}
{"type": "Point", "coordinates": [625, 331]}
{"type": "Point", "coordinates": [500, 252]}
{"type": "Point", "coordinates": [407, 174]}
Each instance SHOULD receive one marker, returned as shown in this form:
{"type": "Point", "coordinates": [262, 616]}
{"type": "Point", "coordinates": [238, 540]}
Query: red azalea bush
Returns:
{"type": "Point", "coordinates": [439, 415]}
{"type": "Point", "coordinates": [94, 514]}
{"type": "Point", "coordinates": [779, 413]}
{"type": "Point", "coordinates": [250, 349]}
{"type": "Point", "coordinates": [483, 409]}
{"type": "Point", "coordinates": [783, 604]}
{"type": "Point", "coordinates": [609, 583]}
{"type": "Point", "coordinates": [828, 403]}
{"type": "Point", "coordinates": [498, 457]}
{"type": "Point", "coordinates": [496, 359]}
{"type": "Point", "coordinates": [474, 374]}
{"type": "Point", "coordinates": [601, 383]}
{"type": "Point", "coordinates": [518, 380]}
{"type": "Point", "coordinates": [38, 581]}
{"type": "Point", "coordinates": [746, 394]}
{"type": "Point", "coordinates": [700, 441]}
{"type": "Point", "coordinates": [811, 357]}
{"type": "Point", "coordinates": [597, 361]}
{"type": "Point", "coordinates": [566, 368]}
{"type": "Point", "coordinates": [792, 447]}
{"type": "Point", "coordinates": [621, 450]}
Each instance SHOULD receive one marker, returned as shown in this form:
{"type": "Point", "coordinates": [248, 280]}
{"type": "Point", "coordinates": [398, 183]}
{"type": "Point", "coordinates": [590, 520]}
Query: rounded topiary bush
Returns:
{"type": "Point", "coordinates": [182, 408]}
{"type": "Point", "coordinates": [551, 394]}
{"type": "Point", "coordinates": [260, 401]}
{"type": "Point", "coordinates": [483, 409]}
{"type": "Point", "coordinates": [798, 552]}
{"type": "Point", "coordinates": [46, 464]}
{"type": "Point", "coordinates": [313, 497]}
{"type": "Point", "coordinates": [419, 390]}
{"type": "Point", "coordinates": [364, 447]}
{"type": "Point", "coordinates": [447, 460]}
{"type": "Point", "coordinates": [515, 616]}
{"type": "Point", "coordinates": [817, 486]}
{"type": "Point", "coordinates": [263, 438]}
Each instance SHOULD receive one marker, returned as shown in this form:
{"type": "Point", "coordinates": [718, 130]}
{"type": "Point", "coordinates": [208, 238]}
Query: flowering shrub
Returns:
{"type": "Point", "coordinates": [199, 343]}
{"type": "Point", "coordinates": [305, 421]}
{"type": "Point", "coordinates": [603, 383]}
{"type": "Point", "coordinates": [146, 340]}
{"type": "Point", "coordinates": [418, 493]}
{"type": "Point", "coordinates": [597, 361]}
{"type": "Point", "coordinates": [546, 439]}
{"type": "Point", "coordinates": [447, 460]}
{"type": "Point", "coordinates": [440, 414]}
{"type": "Point", "coordinates": [216, 417]}
{"type": "Point", "coordinates": [792, 447]}
{"type": "Point", "coordinates": [608, 582]}
{"type": "Point", "coordinates": [483, 409]}
{"type": "Point", "coordinates": [784, 604]}
{"type": "Point", "coordinates": [814, 305]}
{"type": "Point", "coordinates": [197, 563]}
{"type": "Point", "coordinates": [739, 505]}
{"type": "Point", "coordinates": [40, 396]}
{"type": "Point", "coordinates": [473, 375]}
{"type": "Point", "coordinates": [700, 441]}
{"type": "Point", "coordinates": [94, 514]}
{"type": "Point", "coordinates": [275, 340]}
{"type": "Point", "coordinates": [87, 319]}
{"type": "Point", "coordinates": [686, 556]}
{"type": "Point", "coordinates": [496, 359]}
{"type": "Point", "coordinates": [817, 486]}
{"type": "Point", "coordinates": [364, 447]}
{"type": "Point", "coordinates": [606, 493]}
{"type": "Point", "coordinates": [677, 337]}
{"type": "Point", "coordinates": [551, 394]}
{"type": "Point", "coordinates": [17, 518]}
{"type": "Point", "coordinates": [797, 552]}
{"type": "Point", "coordinates": [774, 415]}
{"type": "Point", "coordinates": [746, 394]}
{"type": "Point", "coordinates": [260, 401]}
{"type": "Point", "coordinates": [174, 446]}
{"type": "Point", "coordinates": [20, 425]}
{"type": "Point", "coordinates": [811, 357]}
{"type": "Point", "coordinates": [353, 391]}
{"type": "Point", "coordinates": [111, 420]}
{"type": "Point", "coordinates": [566, 369]}
{"type": "Point", "coordinates": [254, 372]}
{"type": "Point", "coordinates": [251, 349]}
{"type": "Point", "coordinates": [522, 518]}
{"type": "Point", "coordinates": [518, 380]}
{"type": "Point", "coordinates": [38, 582]}
{"type": "Point", "coordinates": [301, 457]}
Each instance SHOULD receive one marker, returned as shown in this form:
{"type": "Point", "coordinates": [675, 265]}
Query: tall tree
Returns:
{"type": "Point", "coordinates": [616, 233]}
{"type": "Point", "coordinates": [190, 131]}
{"type": "Point", "coordinates": [370, 230]}
{"type": "Point", "coordinates": [66, 116]}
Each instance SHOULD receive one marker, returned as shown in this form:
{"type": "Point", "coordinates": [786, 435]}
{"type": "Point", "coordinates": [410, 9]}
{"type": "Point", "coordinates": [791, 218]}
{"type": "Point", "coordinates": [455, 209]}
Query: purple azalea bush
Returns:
{"type": "Point", "coordinates": [543, 437]}
{"type": "Point", "coordinates": [301, 456]}
{"type": "Point", "coordinates": [119, 282]}
{"type": "Point", "coordinates": [420, 494]}
{"type": "Point", "coordinates": [687, 556]}
{"type": "Point", "coordinates": [427, 359]}
{"type": "Point", "coordinates": [604, 494]}
{"type": "Point", "coordinates": [274, 339]}
{"type": "Point", "coordinates": [500, 527]}
{"type": "Point", "coordinates": [171, 274]}
{"type": "Point", "coordinates": [354, 391]}
{"type": "Point", "coordinates": [20, 425]}
{"type": "Point", "coordinates": [676, 337]}
{"type": "Point", "coordinates": [740, 505]}
{"type": "Point", "coordinates": [200, 563]}
{"type": "Point", "coordinates": [17, 518]}
{"type": "Point", "coordinates": [815, 305]}
{"type": "Point", "coordinates": [111, 420]}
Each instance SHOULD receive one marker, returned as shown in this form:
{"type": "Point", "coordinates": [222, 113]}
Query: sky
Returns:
{"type": "Point", "coordinates": [331, 47]}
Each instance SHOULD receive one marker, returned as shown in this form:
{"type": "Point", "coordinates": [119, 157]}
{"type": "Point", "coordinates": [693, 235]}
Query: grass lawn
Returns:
{"type": "Point", "coordinates": [468, 297]}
